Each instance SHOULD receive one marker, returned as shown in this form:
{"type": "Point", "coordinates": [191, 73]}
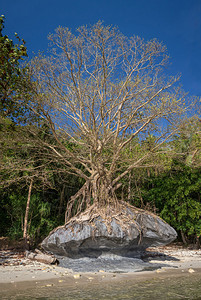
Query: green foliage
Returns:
{"type": "Point", "coordinates": [47, 206]}
{"type": "Point", "coordinates": [173, 188]}
{"type": "Point", "coordinates": [11, 75]}
{"type": "Point", "coordinates": [188, 142]}
{"type": "Point", "coordinates": [176, 194]}
{"type": "Point", "coordinates": [41, 216]}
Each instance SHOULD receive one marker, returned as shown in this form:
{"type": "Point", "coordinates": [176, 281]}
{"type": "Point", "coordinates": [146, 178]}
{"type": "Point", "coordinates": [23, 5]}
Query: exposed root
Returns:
{"type": "Point", "coordinates": [92, 192]}
{"type": "Point", "coordinates": [109, 213]}
{"type": "Point", "coordinates": [123, 213]}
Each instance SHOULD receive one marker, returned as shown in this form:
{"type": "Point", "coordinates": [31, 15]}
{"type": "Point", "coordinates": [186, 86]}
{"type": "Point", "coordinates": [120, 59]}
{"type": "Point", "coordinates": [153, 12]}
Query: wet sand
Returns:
{"type": "Point", "coordinates": [172, 284]}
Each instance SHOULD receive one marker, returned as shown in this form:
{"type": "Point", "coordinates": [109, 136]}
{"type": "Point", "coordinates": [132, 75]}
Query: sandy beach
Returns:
{"type": "Point", "coordinates": [179, 269]}
{"type": "Point", "coordinates": [16, 268]}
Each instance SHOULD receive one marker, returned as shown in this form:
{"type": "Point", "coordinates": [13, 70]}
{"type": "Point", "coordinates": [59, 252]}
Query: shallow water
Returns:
{"type": "Point", "coordinates": [186, 286]}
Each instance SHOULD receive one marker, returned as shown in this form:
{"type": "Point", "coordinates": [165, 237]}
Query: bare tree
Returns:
{"type": "Point", "coordinates": [27, 214]}
{"type": "Point", "coordinates": [98, 91]}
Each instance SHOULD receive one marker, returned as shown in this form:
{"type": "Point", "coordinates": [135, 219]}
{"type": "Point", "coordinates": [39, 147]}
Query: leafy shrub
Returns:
{"type": "Point", "coordinates": [176, 195]}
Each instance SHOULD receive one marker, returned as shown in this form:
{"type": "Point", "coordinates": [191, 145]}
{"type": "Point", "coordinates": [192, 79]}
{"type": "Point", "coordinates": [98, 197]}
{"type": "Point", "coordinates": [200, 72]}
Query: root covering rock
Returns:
{"type": "Point", "coordinates": [97, 232]}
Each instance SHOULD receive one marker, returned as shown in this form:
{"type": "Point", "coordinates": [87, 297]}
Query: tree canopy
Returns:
{"type": "Point", "coordinates": [99, 91]}
{"type": "Point", "coordinates": [106, 124]}
{"type": "Point", "coordinates": [11, 75]}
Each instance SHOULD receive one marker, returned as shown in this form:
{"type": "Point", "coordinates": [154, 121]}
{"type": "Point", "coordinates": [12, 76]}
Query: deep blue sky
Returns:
{"type": "Point", "coordinates": [177, 23]}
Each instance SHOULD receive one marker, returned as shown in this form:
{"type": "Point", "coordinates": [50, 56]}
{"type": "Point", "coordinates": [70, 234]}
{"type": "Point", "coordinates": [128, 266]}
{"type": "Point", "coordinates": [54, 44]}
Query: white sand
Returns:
{"type": "Point", "coordinates": [20, 269]}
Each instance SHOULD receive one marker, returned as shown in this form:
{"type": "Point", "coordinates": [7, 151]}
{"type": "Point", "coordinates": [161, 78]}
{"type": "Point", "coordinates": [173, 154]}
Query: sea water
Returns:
{"type": "Point", "coordinates": [179, 286]}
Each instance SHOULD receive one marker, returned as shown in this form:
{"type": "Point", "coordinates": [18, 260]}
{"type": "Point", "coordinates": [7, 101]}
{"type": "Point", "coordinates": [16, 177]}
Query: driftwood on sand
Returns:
{"type": "Point", "coordinates": [41, 257]}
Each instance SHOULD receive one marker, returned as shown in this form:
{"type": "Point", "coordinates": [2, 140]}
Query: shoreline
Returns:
{"type": "Point", "coordinates": [97, 285]}
{"type": "Point", "coordinates": [173, 261]}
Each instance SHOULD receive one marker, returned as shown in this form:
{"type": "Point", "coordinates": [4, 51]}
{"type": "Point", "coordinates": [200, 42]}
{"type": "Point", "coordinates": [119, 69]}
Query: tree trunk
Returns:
{"type": "Point", "coordinates": [103, 192]}
{"type": "Point", "coordinates": [61, 200]}
{"type": "Point", "coordinates": [129, 187]}
{"type": "Point", "coordinates": [197, 244]}
{"type": "Point", "coordinates": [129, 179]}
{"type": "Point", "coordinates": [183, 238]}
{"type": "Point", "coordinates": [27, 215]}
{"type": "Point", "coordinates": [98, 191]}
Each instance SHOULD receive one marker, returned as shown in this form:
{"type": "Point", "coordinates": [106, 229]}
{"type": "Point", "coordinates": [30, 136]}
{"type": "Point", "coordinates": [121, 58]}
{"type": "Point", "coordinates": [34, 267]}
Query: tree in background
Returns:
{"type": "Point", "coordinates": [176, 196]}
{"type": "Point", "coordinates": [97, 92]}
{"type": "Point", "coordinates": [188, 142]}
{"type": "Point", "coordinates": [175, 191]}
{"type": "Point", "coordinates": [34, 190]}
{"type": "Point", "coordinates": [18, 164]}
{"type": "Point", "coordinates": [11, 77]}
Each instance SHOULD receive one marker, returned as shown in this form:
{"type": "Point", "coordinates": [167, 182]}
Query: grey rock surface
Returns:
{"type": "Point", "coordinates": [107, 263]}
{"type": "Point", "coordinates": [123, 234]}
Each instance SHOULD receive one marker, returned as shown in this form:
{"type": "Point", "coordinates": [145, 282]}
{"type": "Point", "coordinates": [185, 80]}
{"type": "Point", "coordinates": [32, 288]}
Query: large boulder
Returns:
{"type": "Point", "coordinates": [97, 232]}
